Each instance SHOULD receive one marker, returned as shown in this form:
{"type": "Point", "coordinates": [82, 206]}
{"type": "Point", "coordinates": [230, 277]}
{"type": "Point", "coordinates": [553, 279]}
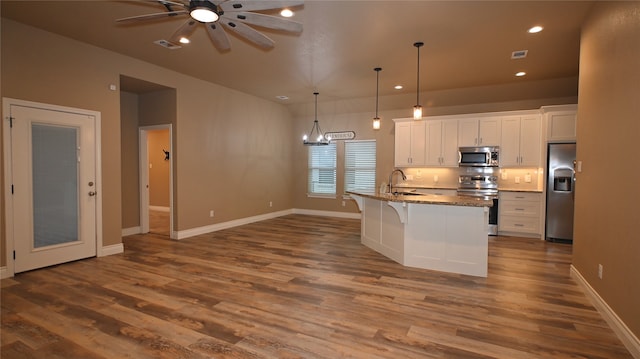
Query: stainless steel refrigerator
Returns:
{"type": "Point", "coordinates": [560, 191]}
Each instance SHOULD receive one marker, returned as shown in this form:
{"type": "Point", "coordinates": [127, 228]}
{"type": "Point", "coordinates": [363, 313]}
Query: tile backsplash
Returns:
{"type": "Point", "coordinates": [529, 179]}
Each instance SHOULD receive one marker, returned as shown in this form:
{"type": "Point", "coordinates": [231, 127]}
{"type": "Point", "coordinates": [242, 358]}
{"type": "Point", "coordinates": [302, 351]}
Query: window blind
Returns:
{"type": "Point", "coordinates": [322, 170]}
{"type": "Point", "coordinates": [360, 166]}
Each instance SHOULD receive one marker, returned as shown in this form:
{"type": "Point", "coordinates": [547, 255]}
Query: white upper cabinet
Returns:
{"type": "Point", "coordinates": [520, 141]}
{"type": "Point", "coordinates": [479, 132]}
{"type": "Point", "coordinates": [561, 122]}
{"type": "Point", "coordinates": [442, 143]}
{"type": "Point", "coordinates": [410, 143]}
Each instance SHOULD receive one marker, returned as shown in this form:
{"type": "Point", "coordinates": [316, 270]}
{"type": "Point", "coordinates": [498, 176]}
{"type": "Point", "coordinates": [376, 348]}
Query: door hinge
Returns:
{"type": "Point", "coordinates": [11, 189]}
{"type": "Point", "coordinates": [14, 255]}
{"type": "Point", "coordinates": [10, 122]}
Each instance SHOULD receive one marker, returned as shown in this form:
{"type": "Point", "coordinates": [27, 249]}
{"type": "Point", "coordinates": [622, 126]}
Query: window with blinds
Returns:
{"type": "Point", "coordinates": [322, 170]}
{"type": "Point", "coordinates": [360, 166]}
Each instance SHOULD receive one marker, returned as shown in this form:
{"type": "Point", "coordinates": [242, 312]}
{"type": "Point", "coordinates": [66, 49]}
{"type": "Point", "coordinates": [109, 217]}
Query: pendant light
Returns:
{"type": "Point", "coordinates": [417, 109]}
{"type": "Point", "coordinates": [376, 120]}
{"type": "Point", "coordinates": [320, 138]}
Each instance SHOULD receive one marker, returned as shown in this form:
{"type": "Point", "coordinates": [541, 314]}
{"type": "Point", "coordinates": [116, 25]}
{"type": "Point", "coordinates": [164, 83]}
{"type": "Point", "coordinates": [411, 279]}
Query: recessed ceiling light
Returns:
{"type": "Point", "coordinates": [184, 40]}
{"type": "Point", "coordinates": [398, 87]}
{"type": "Point", "coordinates": [286, 13]}
{"type": "Point", "coordinates": [521, 73]}
{"type": "Point", "coordinates": [535, 29]}
{"type": "Point", "coordinates": [282, 97]}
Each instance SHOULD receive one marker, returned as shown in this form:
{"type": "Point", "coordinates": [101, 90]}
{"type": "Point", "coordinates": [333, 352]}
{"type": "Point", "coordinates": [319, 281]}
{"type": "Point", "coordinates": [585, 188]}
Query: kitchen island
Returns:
{"type": "Point", "coordinates": [444, 233]}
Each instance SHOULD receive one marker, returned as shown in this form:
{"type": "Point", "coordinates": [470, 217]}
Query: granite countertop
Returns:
{"type": "Point", "coordinates": [428, 199]}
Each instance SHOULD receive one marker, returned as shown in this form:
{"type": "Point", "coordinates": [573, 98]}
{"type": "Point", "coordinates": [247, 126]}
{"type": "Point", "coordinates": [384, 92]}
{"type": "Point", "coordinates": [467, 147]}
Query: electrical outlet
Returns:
{"type": "Point", "coordinates": [344, 203]}
{"type": "Point", "coordinates": [517, 179]}
{"type": "Point", "coordinates": [600, 269]}
{"type": "Point", "coordinates": [504, 175]}
{"type": "Point", "coordinates": [435, 179]}
{"type": "Point", "coordinates": [527, 178]}
{"type": "Point", "coordinates": [211, 213]}
{"type": "Point", "coordinates": [270, 204]}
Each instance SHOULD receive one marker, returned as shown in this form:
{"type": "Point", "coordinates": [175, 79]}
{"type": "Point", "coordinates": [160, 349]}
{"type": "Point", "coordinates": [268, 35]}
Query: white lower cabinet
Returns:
{"type": "Point", "coordinates": [520, 213]}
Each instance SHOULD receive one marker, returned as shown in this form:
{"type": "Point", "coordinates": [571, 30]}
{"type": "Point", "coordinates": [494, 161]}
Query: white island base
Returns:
{"type": "Point", "coordinates": [440, 237]}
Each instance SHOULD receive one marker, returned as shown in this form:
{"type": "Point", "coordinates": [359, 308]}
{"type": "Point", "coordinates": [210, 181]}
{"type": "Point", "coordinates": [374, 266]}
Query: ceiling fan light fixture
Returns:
{"type": "Point", "coordinates": [203, 11]}
{"type": "Point", "coordinates": [286, 13]}
{"type": "Point", "coordinates": [320, 139]}
{"type": "Point", "coordinates": [417, 109]}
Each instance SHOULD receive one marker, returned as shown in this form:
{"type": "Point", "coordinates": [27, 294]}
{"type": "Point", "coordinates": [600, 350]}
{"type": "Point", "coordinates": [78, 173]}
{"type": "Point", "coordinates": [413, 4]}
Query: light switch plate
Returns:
{"type": "Point", "coordinates": [504, 175]}
{"type": "Point", "coordinates": [527, 178]}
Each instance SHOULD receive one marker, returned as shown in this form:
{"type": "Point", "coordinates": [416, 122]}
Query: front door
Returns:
{"type": "Point", "coordinates": [53, 173]}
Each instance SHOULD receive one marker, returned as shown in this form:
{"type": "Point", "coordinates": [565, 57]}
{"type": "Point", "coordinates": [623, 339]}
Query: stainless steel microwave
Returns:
{"type": "Point", "coordinates": [479, 156]}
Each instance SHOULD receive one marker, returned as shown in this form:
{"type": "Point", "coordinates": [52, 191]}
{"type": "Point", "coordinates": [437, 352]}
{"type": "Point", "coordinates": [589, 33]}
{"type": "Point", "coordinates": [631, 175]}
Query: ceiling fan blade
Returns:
{"type": "Point", "coordinates": [152, 16]}
{"type": "Point", "coordinates": [248, 33]}
{"type": "Point", "coordinates": [218, 36]}
{"type": "Point", "coordinates": [183, 31]}
{"type": "Point", "coordinates": [268, 21]}
{"type": "Point", "coordinates": [255, 5]}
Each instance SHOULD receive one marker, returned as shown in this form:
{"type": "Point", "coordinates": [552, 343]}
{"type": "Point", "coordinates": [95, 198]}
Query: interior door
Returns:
{"type": "Point", "coordinates": [54, 193]}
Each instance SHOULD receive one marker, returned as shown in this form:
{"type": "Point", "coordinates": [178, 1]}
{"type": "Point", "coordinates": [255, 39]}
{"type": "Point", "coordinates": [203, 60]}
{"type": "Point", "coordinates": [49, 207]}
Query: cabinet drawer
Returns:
{"type": "Point", "coordinates": [519, 224]}
{"type": "Point", "coordinates": [520, 208]}
{"type": "Point", "coordinates": [520, 196]}
{"type": "Point", "coordinates": [438, 192]}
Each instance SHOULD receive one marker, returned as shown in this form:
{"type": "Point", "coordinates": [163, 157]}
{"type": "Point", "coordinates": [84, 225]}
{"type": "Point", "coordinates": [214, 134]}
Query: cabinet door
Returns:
{"type": "Point", "coordinates": [434, 143]}
{"type": "Point", "coordinates": [418, 139]}
{"type": "Point", "coordinates": [467, 132]}
{"type": "Point", "coordinates": [489, 132]}
{"type": "Point", "coordinates": [561, 126]}
{"type": "Point", "coordinates": [530, 141]}
{"type": "Point", "coordinates": [450, 143]}
{"type": "Point", "coordinates": [403, 144]}
{"type": "Point", "coordinates": [510, 142]}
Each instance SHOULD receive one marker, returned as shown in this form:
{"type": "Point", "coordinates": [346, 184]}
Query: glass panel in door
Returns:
{"type": "Point", "coordinates": [55, 185]}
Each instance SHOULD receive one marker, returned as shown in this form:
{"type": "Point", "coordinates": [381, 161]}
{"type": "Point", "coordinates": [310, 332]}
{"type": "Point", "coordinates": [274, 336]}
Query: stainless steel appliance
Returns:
{"type": "Point", "coordinates": [560, 191]}
{"type": "Point", "coordinates": [481, 182]}
{"type": "Point", "coordinates": [479, 156]}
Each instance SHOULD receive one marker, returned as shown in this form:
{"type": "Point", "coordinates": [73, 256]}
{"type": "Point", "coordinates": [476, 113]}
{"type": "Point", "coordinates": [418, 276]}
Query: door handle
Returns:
{"type": "Point", "coordinates": [92, 193]}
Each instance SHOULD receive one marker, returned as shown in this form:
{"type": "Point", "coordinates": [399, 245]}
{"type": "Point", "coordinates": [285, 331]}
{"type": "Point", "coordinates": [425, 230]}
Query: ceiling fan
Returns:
{"type": "Point", "coordinates": [234, 15]}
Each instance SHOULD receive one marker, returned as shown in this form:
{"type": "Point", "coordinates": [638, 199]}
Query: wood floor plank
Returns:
{"type": "Point", "coordinates": [300, 287]}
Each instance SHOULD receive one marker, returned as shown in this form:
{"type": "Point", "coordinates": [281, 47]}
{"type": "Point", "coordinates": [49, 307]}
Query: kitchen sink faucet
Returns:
{"type": "Point", "coordinates": [391, 178]}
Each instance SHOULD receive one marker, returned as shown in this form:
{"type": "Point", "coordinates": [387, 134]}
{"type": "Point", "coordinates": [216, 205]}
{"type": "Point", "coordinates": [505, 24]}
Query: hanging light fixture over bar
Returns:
{"type": "Point", "coordinates": [320, 139]}
{"type": "Point", "coordinates": [417, 109]}
{"type": "Point", "coordinates": [376, 120]}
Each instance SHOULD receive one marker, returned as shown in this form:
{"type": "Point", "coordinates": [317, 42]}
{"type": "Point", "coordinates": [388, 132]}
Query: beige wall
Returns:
{"type": "Point", "coordinates": [158, 141]}
{"type": "Point", "coordinates": [607, 195]}
{"type": "Point", "coordinates": [129, 160]}
{"type": "Point", "coordinates": [233, 151]}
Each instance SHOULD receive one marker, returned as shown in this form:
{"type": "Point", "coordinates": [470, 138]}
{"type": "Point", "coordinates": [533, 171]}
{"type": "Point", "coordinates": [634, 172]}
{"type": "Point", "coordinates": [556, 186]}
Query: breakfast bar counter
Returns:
{"type": "Point", "coordinates": [444, 233]}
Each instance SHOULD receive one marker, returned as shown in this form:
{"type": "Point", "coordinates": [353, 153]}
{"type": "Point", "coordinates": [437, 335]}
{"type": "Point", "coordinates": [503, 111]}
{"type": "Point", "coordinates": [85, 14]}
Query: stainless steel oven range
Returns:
{"type": "Point", "coordinates": [481, 183]}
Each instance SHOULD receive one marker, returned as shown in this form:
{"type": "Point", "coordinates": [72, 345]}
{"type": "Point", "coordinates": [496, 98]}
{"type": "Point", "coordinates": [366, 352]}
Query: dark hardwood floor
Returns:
{"type": "Point", "coordinates": [300, 287]}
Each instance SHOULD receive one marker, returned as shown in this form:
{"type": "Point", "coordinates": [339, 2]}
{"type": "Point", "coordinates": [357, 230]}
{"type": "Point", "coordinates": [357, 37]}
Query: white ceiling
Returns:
{"type": "Point", "coordinates": [467, 44]}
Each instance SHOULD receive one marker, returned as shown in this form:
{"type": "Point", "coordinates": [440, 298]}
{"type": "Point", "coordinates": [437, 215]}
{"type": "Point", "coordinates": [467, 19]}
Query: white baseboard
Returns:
{"type": "Point", "coordinates": [4, 272]}
{"type": "Point", "coordinates": [130, 231]}
{"type": "Point", "coordinates": [159, 208]}
{"type": "Point", "coordinates": [630, 341]}
{"type": "Point", "coordinates": [238, 222]}
{"type": "Point", "coordinates": [224, 225]}
{"type": "Point", "coordinates": [313, 212]}
{"type": "Point", "coordinates": [110, 250]}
